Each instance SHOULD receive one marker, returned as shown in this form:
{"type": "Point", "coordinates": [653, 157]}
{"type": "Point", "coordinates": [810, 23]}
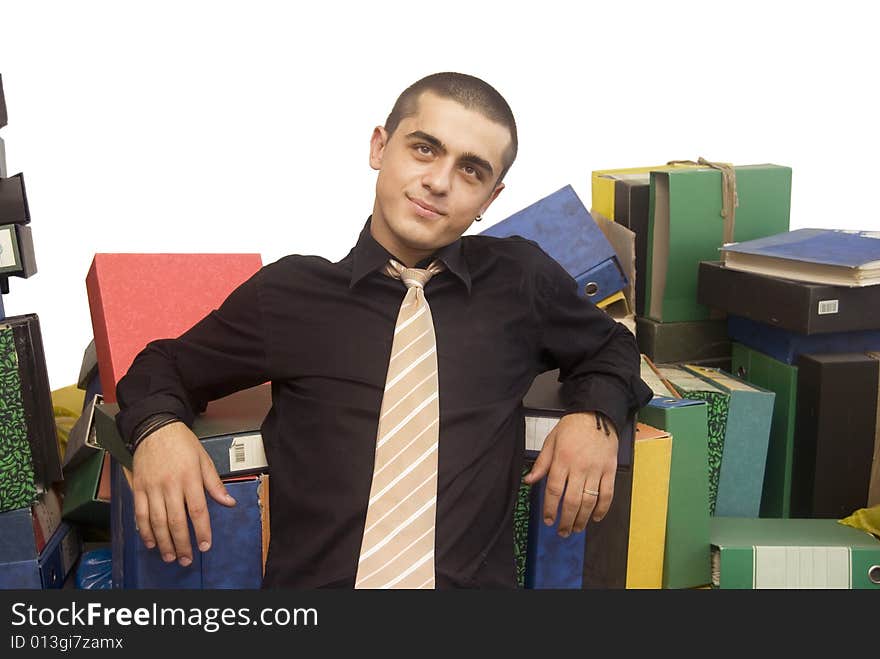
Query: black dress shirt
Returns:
{"type": "Point", "coordinates": [321, 332]}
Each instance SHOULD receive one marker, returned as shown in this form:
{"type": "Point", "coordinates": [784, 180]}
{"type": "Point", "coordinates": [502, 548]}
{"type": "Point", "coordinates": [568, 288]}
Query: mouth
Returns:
{"type": "Point", "coordinates": [424, 209]}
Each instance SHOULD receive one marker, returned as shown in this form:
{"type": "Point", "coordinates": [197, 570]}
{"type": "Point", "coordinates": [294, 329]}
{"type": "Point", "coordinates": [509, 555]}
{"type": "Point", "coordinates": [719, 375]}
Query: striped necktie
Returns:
{"type": "Point", "coordinates": [397, 549]}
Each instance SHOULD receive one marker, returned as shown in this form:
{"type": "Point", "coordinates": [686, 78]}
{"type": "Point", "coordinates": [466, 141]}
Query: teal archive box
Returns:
{"type": "Point", "coordinates": [746, 438]}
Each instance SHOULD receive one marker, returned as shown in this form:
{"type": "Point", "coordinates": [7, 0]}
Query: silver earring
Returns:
{"type": "Point", "coordinates": [478, 218]}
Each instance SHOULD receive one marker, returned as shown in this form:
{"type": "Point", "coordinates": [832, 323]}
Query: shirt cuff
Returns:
{"type": "Point", "coordinates": [601, 394]}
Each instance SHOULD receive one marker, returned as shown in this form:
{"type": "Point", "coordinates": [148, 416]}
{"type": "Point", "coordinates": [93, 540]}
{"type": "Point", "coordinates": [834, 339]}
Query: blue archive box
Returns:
{"type": "Point", "coordinates": [50, 568]}
{"type": "Point", "coordinates": [562, 227]}
{"type": "Point", "coordinates": [786, 346]}
{"type": "Point", "coordinates": [235, 560]}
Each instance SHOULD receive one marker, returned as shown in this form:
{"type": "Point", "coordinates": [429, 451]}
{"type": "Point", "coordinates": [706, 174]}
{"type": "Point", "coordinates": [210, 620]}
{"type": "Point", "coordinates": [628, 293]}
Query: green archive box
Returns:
{"type": "Point", "coordinates": [753, 553]}
{"type": "Point", "coordinates": [781, 378]}
{"type": "Point", "coordinates": [686, 561]}
{"type": "Point", "coordinates": [685, 227]}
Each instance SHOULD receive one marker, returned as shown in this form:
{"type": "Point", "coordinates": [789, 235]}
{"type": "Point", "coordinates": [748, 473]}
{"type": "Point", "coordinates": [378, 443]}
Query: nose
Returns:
{"type": "Point", "coordinates": [437, 178]}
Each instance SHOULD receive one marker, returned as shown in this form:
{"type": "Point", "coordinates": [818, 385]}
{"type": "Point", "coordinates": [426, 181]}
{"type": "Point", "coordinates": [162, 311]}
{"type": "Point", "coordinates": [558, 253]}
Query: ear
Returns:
{"type": "Point", "coordinates": [492, 197]}
{"type": "Point", "coordinates": [377, 146]}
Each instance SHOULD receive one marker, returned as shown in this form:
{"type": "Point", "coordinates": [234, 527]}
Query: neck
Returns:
{"type": "Point", "coordinates": [408, 257]}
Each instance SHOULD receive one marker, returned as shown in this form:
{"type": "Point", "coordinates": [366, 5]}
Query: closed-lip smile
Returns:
{"type": "Point", "coordinates": [426, 206]}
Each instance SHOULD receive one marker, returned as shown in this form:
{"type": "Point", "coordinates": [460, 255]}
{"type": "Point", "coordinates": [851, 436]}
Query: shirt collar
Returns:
{"type": "Point", "coordinates": [369, 256]}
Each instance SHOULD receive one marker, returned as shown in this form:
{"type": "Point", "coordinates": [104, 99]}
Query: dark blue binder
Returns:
{"type": "Point", "coordinates": [594, 558]}
{"type": "Point", "coordinates": [562, 227]}
{"type": "Point", "coordinates": [235, 559]}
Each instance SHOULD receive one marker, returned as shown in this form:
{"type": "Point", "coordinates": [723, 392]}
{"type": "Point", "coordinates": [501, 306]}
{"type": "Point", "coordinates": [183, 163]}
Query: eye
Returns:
{"type": "Point", "coordinates": [424, 149]}
{"type": "Point", "coordinates": [472, 171]}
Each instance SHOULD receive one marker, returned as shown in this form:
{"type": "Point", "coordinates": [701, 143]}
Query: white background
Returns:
{"type": "Point", "coordinates": [244, 127]}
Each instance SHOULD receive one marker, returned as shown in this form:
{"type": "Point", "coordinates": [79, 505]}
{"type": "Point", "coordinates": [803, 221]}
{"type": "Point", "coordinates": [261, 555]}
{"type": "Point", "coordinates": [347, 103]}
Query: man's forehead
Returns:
{"type": "Point", "coordinates": [458, 128]}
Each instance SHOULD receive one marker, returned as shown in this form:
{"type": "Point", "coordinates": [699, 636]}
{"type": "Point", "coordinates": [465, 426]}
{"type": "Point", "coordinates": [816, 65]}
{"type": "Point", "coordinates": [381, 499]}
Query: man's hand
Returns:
{"type": "Point", "coordinates": [581, 461]}
{"type": "Point", "coordinates": [171, 473]}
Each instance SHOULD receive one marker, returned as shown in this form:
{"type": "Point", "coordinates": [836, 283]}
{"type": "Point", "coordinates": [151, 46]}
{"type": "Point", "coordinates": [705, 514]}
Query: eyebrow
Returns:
{"type": "Point", "coordinates": [469, 157]}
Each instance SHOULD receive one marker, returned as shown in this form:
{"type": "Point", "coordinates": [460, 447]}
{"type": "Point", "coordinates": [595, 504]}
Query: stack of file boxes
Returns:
{"type": "Point", "coordinates": [675, 212]}
{"type": "Point", "coordinates": [230, 433]}
{"type": "Point", "coordinates": [134, 299]}
{"type": "Point", "coordinates": [816, 346]}
{"type": "Point", "coordinates": [37, 549]}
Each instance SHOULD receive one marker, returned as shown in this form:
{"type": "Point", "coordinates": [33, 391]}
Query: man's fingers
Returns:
{"type": "Point", "coordinates": [212, 482]}
{"type": "Point", "coordinates": [606, 496]}
{"type": "Point", "coordinates": [142, 518]}
{"type": "Point", "coordinates": [588, 503]}
{"type": "Point", "coordinates": [178, 526]}
{"type": "Point", "coordinates": [543, 462]}
{"type": "Point", "coordinates": [571, 504]}
{"type": "Point", "coordinates": [159, 525]}
{"type": "Point", "coordinates": [197, 506]}
{"type": "Point", "coordinates": [553, 493]}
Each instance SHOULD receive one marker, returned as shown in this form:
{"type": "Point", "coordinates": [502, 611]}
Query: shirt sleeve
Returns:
{"type": "Point", "coordinates": [597, 357]}
{"type": "Point", "coordinates": [222, 353]}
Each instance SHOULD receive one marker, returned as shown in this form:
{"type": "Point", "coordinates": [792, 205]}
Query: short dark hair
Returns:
{"type": "Point", "coordinates": [469, 91]}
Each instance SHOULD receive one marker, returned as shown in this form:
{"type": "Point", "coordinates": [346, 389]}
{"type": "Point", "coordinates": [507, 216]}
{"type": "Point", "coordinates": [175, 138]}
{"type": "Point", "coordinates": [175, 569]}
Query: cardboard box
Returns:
{"type": "Point", "coordinates": [746, 436]}
{"type": "Point", "coordinates": [631, 206]}
{"type": "Point", "coordinates": [52, 566]}
{"type": "Point", "coordinates": [717, 400]}
{"type": "Point", "coordinates": [603, 185]}
{"type": "Point", "coordinates": [648, 512]}
{"type": "Point", "coordinates": [793, 554]}
{"type": "Point", "coordinates": [82, 441]}
{"type": "Point", "coordinates": [694, 340]}
{"type": "Point", "coordinates": [87, 491]}
{"type": "Point", "coordinates": [13, 201]}
{"type": "Point", "coordinates": [874, 486]}
{"type": "Point", "coordinates": [229, 430]}
{"type": "Point", "coordinates": [17, 257]}
{"type": "Point", "coordinates": [543, 407]}
{"type": "Point", "coordinates": [24, 532]}
{"type": "Point", "coordinates": [787, 346]}
{"type": "Point", "coordinates": [686, 559]}
{"type": "Point", "coordinates": [36, 397]}
{"type": "Point", "coordinates": [780, 378]}
{"type": "Point", "coordinates": [686, 227]}
{"type": "Point", "coordinates": [17, 477]}
{"type": "Point", "coordinates": [88, 368]}
{"type": "Point", "coordinates": [796, 306]}
{"type": "Point", "coordinates": [835, 430]}
{"type": "Point", "coordinates": [623, 241]}
{"type": "Point", "coordinates": [136, 298]}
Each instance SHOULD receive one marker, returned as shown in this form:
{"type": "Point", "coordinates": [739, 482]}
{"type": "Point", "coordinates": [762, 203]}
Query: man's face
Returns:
{"type": "Point", "coordinates": [437, 172]}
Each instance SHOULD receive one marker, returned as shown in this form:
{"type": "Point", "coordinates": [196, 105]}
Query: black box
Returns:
{"type": "Point", "coordinates": [797, 306]}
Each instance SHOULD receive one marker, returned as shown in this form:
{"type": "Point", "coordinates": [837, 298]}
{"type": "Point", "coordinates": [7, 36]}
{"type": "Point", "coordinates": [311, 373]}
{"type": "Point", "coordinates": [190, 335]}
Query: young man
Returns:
{"type": "Point", "coordinates": [494, 313]}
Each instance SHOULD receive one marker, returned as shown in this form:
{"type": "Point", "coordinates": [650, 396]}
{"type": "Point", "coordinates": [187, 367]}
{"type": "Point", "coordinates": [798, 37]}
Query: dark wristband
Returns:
{"type": "Point", "coordinates": [150, 425]}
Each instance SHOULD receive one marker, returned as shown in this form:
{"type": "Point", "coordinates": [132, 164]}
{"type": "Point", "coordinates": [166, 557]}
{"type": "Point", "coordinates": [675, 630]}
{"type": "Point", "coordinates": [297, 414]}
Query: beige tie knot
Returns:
{"type": "Point", "coordinates": [413, 276]}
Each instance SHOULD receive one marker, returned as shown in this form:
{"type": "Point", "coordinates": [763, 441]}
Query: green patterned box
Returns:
{"type": "Point", "coordinates": [17, 486]}
{"type": "Point", "coordinates": [717, 402]}
{"type": "Point", "coordinates": [521, 526]}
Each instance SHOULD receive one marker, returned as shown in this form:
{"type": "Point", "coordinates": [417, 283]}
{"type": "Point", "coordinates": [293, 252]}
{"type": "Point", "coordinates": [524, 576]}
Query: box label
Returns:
{"type": "Point", "coordinates": [246, 452]}
{"type": "Point", "coordinates": [827, 307]}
